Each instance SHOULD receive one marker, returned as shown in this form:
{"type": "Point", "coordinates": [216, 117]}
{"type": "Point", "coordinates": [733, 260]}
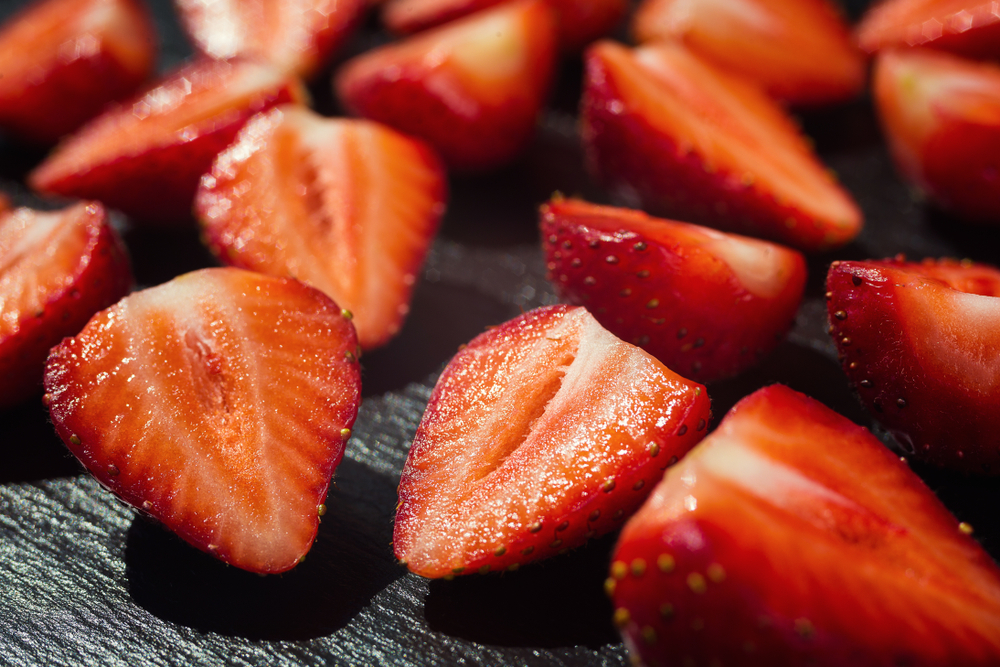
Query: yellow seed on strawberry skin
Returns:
{"type": "Point", "coordinates": [619, 570]}
{"type": "Point", "coordinates": [609, 586]}
{"type": "Point", "coordinates": [638, 567]}
{"type": "Point", "coordinates": [716, 573]}
{"type": "Point", "coordinates": [696, 582]}
{"type": "Point", "coordinates": [965, 528]}
{"type": "Point", "coordinates": [665, 563]}
{"type": "Point", "coordinates": [621, 617]}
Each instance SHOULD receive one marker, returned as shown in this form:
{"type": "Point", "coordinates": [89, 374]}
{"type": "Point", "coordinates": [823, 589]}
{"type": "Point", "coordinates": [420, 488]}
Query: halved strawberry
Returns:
{"type": "Point", "coordinates": [219, 403]}
{"type": "Point", "coordinates": [146, 156]}
{"type": "Point", "coordinates": [679, 137]}
{"type": "Point", "coordinates": [791, 536]}
{"type": "Point", "coordinates": [921, 344]}
{"type": "Point", "coordinates": [967, 27]}
{"type": "Point", "coordinates": [472, 88]}
{"type": "Point", "coordinates": [348, 206]}
{"type": "Point", "coordinates": [293, 35]}
{"type": "Point", "coordinates": [799, 51]}
{"type": "Point", "coordinates": [64, 60]}
{"type": "Point", "coordinates": [542, 433]}
{"type": "Point", "coordinates": [707, 304]}
{"type": "Point", "coordinates": [941, 116]}
{"type": "Point", "coordinates": [57, 268]}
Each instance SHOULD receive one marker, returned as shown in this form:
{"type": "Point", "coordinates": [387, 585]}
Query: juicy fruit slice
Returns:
{"type": "Point", "coordinates": [792, 536]}
{"type": "Point", "coordinates": [147, 156]}
{"type": "Point", "coordinates": [967, 27]}
{"type": "Point", "coordinates": [219, 403]}
{"type": "Point", "coordinates": [707, 304]}
{"type": "Point", "coordinates": [920, 343]}
{"type": "Point", "coordinates": [293, 35]}
{"type": "Point", "coordinates": [56, 270]}
{"type": "Point", "coordinates": [348, 206]}
{"type": "Point", "coordinates": [671, 134]}
{"type": "Point", "coordinates": [797, 50]}
{"type": "Point", "coordinates": [941, 115]}
{"type": "Point", "coordinates": [540, 434]}
{"type": "Point", "coordinates": [64, 60]}
{"type": "Point", "coordinates": [471, 88]}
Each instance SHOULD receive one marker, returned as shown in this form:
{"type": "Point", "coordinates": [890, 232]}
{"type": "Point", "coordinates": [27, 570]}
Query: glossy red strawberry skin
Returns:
{"type": "Point", "coordinates": [540, 434]}
{"type": "Point", "coordinates": [679, 291]}
{"type": "Point", "coordinates": [147, 156]}
{"type": "Point", "coordinates": [791, 535]}
{"type": "Point", "coordinates": [219, 403]}
{"type": "Point", "coordinates": [918, 341]}
{"type": "Point", "coordinates": [56, 270]}
{"type": "Point", "coordinates": [63, 61]}
{"type": "Point", "coordinates": [968, 28]}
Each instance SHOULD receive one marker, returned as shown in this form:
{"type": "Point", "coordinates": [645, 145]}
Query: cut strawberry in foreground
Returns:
{"type": "Point", "coordinates": [674, 135]}
{"type": "Point", "coordinates": [219, 403]}
{"type": "Point", "coordinates": [967, 27]}
{"type": "Point", "coordinates": [941, 115]}
{"type": "Point", "coordinates": [921, 344]}
{"type": "Point", "coordinates": [791, 536]}
{"type": "Point", "coordinates": [348, 206]}
{"type": "Point", "coordinates": [797, 50]}
{"type": "Point", "coordinates": [293, 35]}
{"type": "Point", "coordinates": [146, 156]}
{"type": "Point", "coordinates": [56, 270]}
{"type": "Point", "coordinates": [472, 88]}
{"type": "Point", "coordinates": [540, 434]}
{"type": "Point", "coordinates": [707, 304]}
{"type": "Point", "coordinates": [64, 60]}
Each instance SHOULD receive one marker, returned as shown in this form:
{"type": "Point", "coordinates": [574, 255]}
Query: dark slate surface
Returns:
{"type": "Point", "coordinates": [84, 580]}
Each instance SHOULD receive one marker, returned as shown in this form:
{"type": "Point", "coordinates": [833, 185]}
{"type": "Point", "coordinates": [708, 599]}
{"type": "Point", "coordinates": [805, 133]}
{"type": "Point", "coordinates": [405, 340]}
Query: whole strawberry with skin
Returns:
{"type": "Point", "coordinates": [670, 133]}
{"type": "Point", "coordinates": [219, 403]}
{"type": "Point", "coordinates": [707, 304]}
{"type": "Point", "coordinates": [57, 268]}
{"type": "Point", "coordinates": [541, 433]}
{"type": "Point", "coordinates": [966, 27]}
{"type": "Point", "coordinates": [918, 342]}
{"type": "Point", "coordinates": [792, 536]}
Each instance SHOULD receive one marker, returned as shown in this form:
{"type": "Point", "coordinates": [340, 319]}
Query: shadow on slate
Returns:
{"type": "Point", "coordinates": [350, 562]}
{"type": "Point", "coordinates": [161, 254]}
{"type": "Point", "coordinates": [39, 453]}
{"type": "Point", "coordinates": [555, 603]}
{"type": "Point", "coordinates": [969, 239]}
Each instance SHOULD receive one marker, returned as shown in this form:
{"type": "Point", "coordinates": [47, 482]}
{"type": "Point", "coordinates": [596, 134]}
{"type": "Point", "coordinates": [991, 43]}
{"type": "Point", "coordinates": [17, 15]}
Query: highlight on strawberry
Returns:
{"type": "Point", "coordinates": [967, 27]}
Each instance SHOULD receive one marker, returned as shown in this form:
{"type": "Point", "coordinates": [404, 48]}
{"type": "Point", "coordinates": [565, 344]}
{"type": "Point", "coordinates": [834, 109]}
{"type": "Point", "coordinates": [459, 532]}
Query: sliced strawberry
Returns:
{"type": "Point", "coordinates": [540, 434]}
{"type": "Point", "coordinates": [941, 115]}
{"type": "Point", "coordinates": [472, 88]}
{"type": "Point", "coordinates": [967, 27]}
{"type": "Point", "coordinates": [64, 60]}
{"type": "Point", "coordinates": [146, 156]}
{"type": "Point", "coordinates": [666, 130]}
{"type": "Point", "coordinates": [797, 50]}
{"type": "Point", "coordinates": [293, 35]}
{"type": "Point", "coordinates": [707, 304]}
{"type": "Point", "coordinates": [921, 344]}
{"type": "Point", "coordinates": [219, 403]}
{"type": "Point", "coordinates": [791, 536]}
{"type": "Point", "coordinates": [348, 206]}
{"type": "Point", "coordinates": [56, 270]}
{"type": "Point", "coordinates": [580, 21]}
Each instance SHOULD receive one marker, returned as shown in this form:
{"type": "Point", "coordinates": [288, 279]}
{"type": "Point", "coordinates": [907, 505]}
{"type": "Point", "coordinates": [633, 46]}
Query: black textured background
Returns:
{"type": "Point", "coordinates": [83, 580]}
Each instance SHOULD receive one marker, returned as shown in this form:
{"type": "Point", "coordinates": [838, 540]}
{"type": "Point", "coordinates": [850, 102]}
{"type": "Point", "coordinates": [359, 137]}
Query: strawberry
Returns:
{"type": "Point", "coordinates": [941, 115]}
{"type": "Point", "coordinates": [540, 434]}
{"type": "Point", "coordinates": [706, 304]}
{"type": "Point", "coordinates": [967, 27]}
{"type": "Point", "coordinates": [147, 156]}
{"type": "Point", "coordinates": [799, 51]}
{"type": "Point", "coordinates": [919, 342]}
{"type": "Point", "coordinates": [791, 536]}
{"type": "Point", "coordinates": [348, 206]}
{"type": "Point", "coordinates": [57, 268]}
{"type": "Point", "coordinates": [580, 21]}
{"type": "Point", "coordinates": [219, 403]}
{"type": "Point", "coordinates": [294, 35]}
{"type": "Point", "coordinates": [667, 131]}
{"type": "Point", "coordinates": [471, 88]}
{"type": "Point", "coordinates": [64, 60]}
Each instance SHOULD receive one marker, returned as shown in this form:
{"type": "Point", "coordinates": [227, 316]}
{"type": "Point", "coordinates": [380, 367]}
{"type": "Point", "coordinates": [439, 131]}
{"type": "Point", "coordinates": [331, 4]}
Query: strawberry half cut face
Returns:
{"type": "Point", "coordinates": [792, 536]}
{"type": "Point", "coordinates": [542, 433]}
{"type": "Point", "coordinates": [348, 206]}
{"type": "Point", "coordinates": [967, 27]}
{"type": "Point", "coordinates": [919, 342]}
{"type": "Point", "coordinates": [219, 403]}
